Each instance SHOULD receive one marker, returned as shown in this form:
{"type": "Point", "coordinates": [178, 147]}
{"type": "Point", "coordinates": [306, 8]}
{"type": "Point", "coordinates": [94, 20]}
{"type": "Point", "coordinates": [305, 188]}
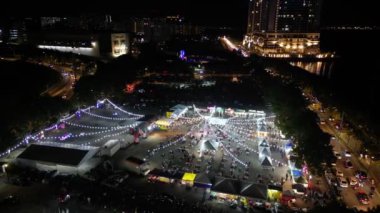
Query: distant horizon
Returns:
{"type": "Point", "coordinates": [229, 13]}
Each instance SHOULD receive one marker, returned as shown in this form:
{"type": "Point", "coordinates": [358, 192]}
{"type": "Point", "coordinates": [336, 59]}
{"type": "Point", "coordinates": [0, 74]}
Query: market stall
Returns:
{"type": "Point", "coordinates": [164, 124]}
{"type": "Point", "coordinates": [158, 175]}
{"type": "Point", "coordinates": [274, 193]}
{"type": "Point", "coordinates": [188, 179]}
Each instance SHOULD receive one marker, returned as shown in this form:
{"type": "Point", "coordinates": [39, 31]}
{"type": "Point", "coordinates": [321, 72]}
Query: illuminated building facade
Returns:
{"type": "Point", "coordinates": [119, 44]}
{"type": "Point", "coordinates": [283, 28]}
{"type": "Point", "coordinates": [99, 45]}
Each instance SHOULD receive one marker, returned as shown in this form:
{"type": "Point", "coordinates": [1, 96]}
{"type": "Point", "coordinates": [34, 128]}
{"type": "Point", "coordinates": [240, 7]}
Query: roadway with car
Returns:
{"type": "Point", "coordinates": [348, 176]}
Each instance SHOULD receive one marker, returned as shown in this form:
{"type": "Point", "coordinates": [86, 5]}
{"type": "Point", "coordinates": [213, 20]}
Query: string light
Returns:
{"type": "Point", "coordinates": [126, 112]}
{"type": "Point", "coordinates": [243, 145]}
{"type": "Point", "coordinates": [170, 144]}
{"type": "Point", "coordinates": [109, 118]}
{"type": "Point", "coordinates": [86, 126]}
{"type": "Point", "coordinates": [68, 145]}
{"type": "Point", "coordinates": [87, 134]}
{"type": "Point", "coordinates": [40, 136]}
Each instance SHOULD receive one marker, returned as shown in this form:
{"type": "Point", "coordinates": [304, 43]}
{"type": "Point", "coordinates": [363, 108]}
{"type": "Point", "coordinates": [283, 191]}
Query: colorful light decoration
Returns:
{"type": "Point", "coordinates": [65, 136]}
{"type": "Point", "coordinates": [99, 103]}
{"type": "Point", "coordinates": [87, 126]}
{"type": "Point", "coordinates": [108, 118]}
{"type": "Point", "coordinates": [305, 170]}
{"type": "Point", "coordinates": [77, 113]}
{"type": "Point", "coordinates": [182, 55]}
{"type": "Point", "coordinates": [234, 125]}
{"type": "Point", "coordinates": [41, 134]}
{"type": "Point", "coordinates": [88, 133]}
{"type": "Point", "coordinates": [243, 145]}
{"type": "Point", "coordinates": [126, 112]}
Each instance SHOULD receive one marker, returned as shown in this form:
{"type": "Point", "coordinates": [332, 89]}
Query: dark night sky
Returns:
{"type": "Point", "coordinates": [210, 12]}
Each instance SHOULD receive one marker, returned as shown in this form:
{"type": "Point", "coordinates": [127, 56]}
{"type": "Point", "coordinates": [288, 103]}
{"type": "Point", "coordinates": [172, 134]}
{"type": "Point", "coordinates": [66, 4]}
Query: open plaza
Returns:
{"type": "Point", "coordinates": [237, 157]}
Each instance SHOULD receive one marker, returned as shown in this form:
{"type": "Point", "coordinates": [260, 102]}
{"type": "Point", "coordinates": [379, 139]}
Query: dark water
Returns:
{"type": "Point", "coordinates": [354, 75]}
{"type": "Point", "coordinates": [355, 62]}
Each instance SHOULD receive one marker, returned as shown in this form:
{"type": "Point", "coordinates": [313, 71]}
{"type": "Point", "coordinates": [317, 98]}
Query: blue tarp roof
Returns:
{"type": "Point", "coordinates": [289, 145]}
{"type": "Point", "coordinates": [296, 173]}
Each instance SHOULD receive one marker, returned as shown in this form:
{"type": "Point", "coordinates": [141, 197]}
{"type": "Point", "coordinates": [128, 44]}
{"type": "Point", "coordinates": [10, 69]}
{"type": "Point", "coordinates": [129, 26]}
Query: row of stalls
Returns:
{"type": "Point", "coordinates": [164, 124]}
{"type": "Point", "coordinates": [248, 194]}
{"type": "Point", "coordinates": [222, 189]}
{"type": "Point", "coordinates": [185, 178]}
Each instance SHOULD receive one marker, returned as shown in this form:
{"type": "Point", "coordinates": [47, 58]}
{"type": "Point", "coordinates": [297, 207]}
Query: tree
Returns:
{"type": "Point", "coordinates": [296, 121]}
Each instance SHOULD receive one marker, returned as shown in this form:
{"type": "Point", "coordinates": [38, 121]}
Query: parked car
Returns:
{"type": "Point", "coordinates": [339, 173]}
{"type": "Point", "coordinates": [361, 175]}
{"type": "Point", "coordinates": [353, 181]}
{"type": "Point", "coordinates": [363, 198]}
{"type": "Point", "coordinates": [337, 155]}
{"type": "Point", "coordinates": [375, 157]}
{"type": "Point", "coordinates": [347, 154]}
{"type": "Point", "coordinates": [343, 182]}
{"type": "Point", "coordinates": [348, 164]}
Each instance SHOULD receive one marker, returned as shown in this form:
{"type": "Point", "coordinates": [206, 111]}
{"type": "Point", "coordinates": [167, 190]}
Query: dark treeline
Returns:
{"type": "Point", "coordinates": [354, 93]}
{"type": "Point", "coordinates": [296, 121]}
{"type": "Point", "coordinates": [23, 109]}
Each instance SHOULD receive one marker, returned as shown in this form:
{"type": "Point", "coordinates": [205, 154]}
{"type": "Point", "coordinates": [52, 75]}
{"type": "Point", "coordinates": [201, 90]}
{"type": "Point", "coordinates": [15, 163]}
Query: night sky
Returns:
{"type": "Point", "coordinates": [207, 12]}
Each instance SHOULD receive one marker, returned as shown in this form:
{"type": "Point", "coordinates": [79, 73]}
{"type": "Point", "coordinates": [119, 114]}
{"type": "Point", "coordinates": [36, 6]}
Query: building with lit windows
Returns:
{"type": "Point", "coordinates": [98, 45]}
{"type": "Point", "coordinates": [14, 33]}
{"type": "Point", "coordinates": [283, 28]}
{"type": "Point", "coordinates": [160, 29]}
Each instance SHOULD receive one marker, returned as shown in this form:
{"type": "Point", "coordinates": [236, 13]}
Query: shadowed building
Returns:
{"type": "Point", "coordinates": [68, 158]}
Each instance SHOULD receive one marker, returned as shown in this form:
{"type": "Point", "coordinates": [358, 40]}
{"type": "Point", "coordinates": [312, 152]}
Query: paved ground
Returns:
{"type": "Point", "coordinates": [185, 155]}
{"type": "Point", "coordinates": [184, 148]}
{"type": "Point", "coordinates": [92, 127]}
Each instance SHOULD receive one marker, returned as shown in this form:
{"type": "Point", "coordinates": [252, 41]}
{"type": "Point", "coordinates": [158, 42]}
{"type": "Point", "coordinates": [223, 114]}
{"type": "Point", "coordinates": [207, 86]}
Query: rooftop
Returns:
{"type": "Point", "coordinates": [53, 154]}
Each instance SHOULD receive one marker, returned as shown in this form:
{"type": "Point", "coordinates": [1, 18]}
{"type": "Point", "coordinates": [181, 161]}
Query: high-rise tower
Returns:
{"type": "Point", "coordinates": [282, 28]}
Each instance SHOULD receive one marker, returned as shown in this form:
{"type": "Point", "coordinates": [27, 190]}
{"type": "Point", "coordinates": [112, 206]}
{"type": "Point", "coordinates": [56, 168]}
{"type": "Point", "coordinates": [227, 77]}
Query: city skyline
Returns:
{"type": "Point", "coordinates": [229, 13]}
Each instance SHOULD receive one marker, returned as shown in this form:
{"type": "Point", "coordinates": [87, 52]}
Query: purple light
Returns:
{"type": "Point", "coordinates": [50, 128]}
{"type": "Point", "coordinates": [61, 126]}
{"type": "Point", "coordinates": [66, 136]}
{"type": "Point", "coordinates": [78, 114]}
{"type": "Point", "coordinates": [182, 54]}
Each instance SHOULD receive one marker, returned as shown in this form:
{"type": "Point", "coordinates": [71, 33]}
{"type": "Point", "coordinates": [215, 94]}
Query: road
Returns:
{"type": "Point", "coordinates": [64, 88]}
{"type": "Point", "coordinates": [342, 141]}
{"type": "Point", "coordinates": [233, 47]}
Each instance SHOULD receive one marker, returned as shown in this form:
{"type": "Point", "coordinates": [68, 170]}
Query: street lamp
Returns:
{"type": "Point", "coordinates": [4, 166]}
